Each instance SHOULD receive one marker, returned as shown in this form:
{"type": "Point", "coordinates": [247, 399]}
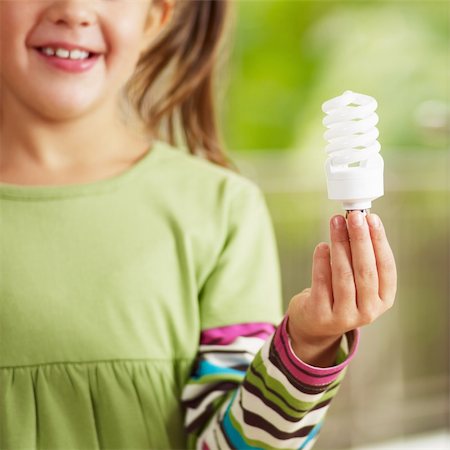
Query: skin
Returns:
{"type": "Point", "coordinates": [47, 120]}
{"type": "Point", "coordinates": [353, 283]}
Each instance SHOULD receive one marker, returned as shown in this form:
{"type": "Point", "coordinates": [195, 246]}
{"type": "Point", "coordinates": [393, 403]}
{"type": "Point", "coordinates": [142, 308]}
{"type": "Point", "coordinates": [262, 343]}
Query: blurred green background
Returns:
{"type": "Point", "coordinates": [287, 58]}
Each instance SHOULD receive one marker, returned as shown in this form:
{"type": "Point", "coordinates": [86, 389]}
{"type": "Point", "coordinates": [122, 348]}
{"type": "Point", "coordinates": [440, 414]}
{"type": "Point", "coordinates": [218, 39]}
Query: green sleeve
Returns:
{"type": "Point", "coordinates": [245, 283]}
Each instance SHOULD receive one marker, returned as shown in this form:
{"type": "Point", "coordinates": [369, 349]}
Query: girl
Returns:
{"type": "Point", "coordinates": [140, 287]}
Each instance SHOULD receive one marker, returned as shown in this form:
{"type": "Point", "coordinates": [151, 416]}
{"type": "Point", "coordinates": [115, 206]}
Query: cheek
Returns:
{"type": "Point", "coordinates": [125, 40]}
{"type": "Point", "coordinates": [10, 25]}
{"type": "Point", "coordinates": [16, 22]}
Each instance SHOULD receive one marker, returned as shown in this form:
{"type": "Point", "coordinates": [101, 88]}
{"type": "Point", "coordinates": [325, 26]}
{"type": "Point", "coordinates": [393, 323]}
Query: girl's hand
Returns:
{"type": "Point", "coordinates": [350, 288]}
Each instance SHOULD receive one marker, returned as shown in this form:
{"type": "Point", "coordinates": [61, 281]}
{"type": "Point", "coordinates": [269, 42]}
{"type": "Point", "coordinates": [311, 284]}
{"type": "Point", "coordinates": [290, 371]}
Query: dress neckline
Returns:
{"type": "Point", "coordinates": [18, 191]}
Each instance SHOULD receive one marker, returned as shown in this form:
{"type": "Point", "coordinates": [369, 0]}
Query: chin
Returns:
{"type": "Point", "coordinates": [63, 108]}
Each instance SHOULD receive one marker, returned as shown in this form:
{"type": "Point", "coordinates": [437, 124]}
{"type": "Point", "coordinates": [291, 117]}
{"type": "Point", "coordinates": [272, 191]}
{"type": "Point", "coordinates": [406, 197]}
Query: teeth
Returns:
{"type": "Point", "coordinates": [62, 53]}
{"type": "Point", "coordinates": [65, 54]}
{"type": "Point", "coordinates": [78, 54]}
{"type": "Point", "coordinates": [48, 51]}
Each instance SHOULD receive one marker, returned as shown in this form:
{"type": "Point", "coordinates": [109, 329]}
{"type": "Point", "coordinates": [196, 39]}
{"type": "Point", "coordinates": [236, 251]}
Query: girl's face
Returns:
{"type": "Point", "coordinates": [116, 30]}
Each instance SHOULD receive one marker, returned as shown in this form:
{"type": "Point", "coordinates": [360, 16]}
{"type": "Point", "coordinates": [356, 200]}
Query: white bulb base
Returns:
{"type": "Point", "coordinates": [357, 206]}
{"type": "Point", "coordinates": [355, 187]}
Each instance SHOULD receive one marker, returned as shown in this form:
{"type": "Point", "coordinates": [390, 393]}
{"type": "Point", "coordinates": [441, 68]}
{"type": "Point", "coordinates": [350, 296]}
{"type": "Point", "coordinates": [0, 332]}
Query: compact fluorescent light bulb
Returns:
{"type": "Point", "coordinates": [354, 167]}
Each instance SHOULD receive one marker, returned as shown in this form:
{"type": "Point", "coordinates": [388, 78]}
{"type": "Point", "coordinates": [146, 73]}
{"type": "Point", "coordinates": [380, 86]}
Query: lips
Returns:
{"type": "Point", "coordinates": [67, 64]}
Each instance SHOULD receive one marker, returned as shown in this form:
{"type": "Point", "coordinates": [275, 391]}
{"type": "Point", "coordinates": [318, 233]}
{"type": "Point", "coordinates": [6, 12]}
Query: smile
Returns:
{"type": "Point", "coordinates": [74, 61]}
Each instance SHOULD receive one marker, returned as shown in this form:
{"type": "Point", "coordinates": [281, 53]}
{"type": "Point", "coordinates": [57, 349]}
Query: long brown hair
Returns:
{"type": "Point", "coordinates": [173, 87]}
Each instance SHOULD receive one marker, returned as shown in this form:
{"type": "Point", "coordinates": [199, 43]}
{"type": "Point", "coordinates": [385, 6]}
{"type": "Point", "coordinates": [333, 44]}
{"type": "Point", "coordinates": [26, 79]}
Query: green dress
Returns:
{"type": "Point", "coordinates": [105, 288]}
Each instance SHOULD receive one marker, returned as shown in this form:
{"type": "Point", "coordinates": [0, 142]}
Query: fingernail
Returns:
{"type": "Point", "coordinates": [374, 220]}
{"type": "Point", "coordinates": [338, 222]}
{"type": "Point", "coordinates": [357, 218]}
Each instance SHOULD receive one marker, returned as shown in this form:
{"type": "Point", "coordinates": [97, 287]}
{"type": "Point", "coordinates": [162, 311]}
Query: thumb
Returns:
{"type": "Point", "coordinates": [321, 285]}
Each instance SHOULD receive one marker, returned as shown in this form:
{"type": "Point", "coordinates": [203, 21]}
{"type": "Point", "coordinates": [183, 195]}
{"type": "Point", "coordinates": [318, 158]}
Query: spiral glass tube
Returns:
{"type": "Point", "coordinates": [354, 167]}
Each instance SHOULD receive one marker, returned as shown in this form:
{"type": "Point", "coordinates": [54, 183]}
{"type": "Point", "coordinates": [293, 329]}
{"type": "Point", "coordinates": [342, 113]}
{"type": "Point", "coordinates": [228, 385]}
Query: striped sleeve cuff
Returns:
{"type": "Point", "coordinates": [290, 364]}
{"type": "Point", "coordinates": [282, 402]}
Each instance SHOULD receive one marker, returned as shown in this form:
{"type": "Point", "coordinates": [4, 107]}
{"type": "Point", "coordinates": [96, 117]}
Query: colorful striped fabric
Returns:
{"type": "Point", "coordinates": [250, 391]}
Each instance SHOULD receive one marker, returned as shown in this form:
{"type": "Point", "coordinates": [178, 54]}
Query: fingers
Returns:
{"type": "Point", "coordinates": [387, 272]}
{"type": "Point", "coordinates": [355, 280]}
{"type": "Point", "coordinates": [363, 260]}
{"type": "Point", "coordinates": [344, 292]}
{"type": "Point", "coordinates": [321, 289]}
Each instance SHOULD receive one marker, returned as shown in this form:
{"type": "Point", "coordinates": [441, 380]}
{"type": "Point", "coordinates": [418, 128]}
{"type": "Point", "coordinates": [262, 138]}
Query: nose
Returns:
{"type": "Point", "coordinates": [72, 13]}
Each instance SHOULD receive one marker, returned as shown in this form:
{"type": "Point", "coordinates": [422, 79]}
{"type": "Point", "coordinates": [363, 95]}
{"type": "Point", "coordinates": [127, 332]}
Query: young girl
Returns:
{"type": "Point", "coordinates": [140, 288]}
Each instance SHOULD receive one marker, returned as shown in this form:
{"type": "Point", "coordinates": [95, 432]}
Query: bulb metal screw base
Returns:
{"type": "Point", "coordinates": [364, 211]}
